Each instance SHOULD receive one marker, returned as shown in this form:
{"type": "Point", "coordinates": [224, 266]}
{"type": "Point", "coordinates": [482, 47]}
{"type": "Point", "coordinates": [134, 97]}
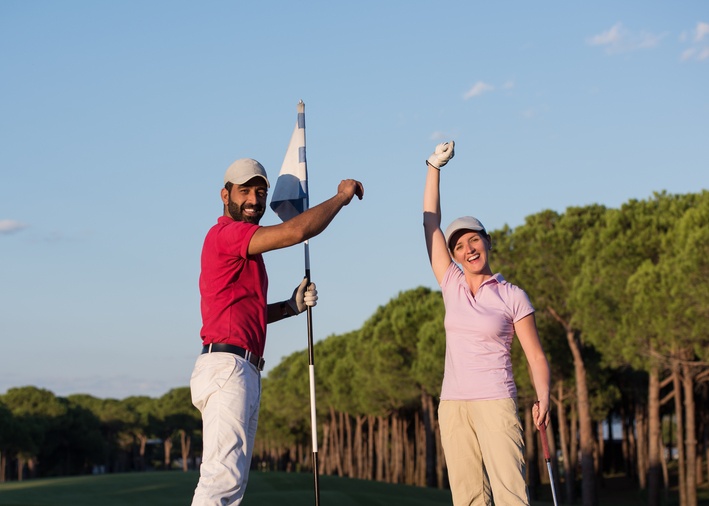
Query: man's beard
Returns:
{"type": "Point", "coordinates": [237, 212]}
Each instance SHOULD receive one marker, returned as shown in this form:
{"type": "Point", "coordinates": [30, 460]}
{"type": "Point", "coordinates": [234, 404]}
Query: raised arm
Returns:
{"type": "Point", "coordinates": [307, 224]}
{"type": "Point", "coordinates": [435, 241]}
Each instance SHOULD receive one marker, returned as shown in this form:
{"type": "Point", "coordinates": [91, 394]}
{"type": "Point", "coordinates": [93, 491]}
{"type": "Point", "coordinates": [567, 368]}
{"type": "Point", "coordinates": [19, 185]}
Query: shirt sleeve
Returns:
{"type": "Point", "coordinates": [235, 238]}
{"type": "Point", "coordinates": [452, 274]}
{"type": "Point", "coordinates": [521, 305]}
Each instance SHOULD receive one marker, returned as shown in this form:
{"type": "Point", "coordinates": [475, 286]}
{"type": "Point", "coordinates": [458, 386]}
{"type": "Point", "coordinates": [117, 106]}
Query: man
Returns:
{"type": "Point", "coordinates": [226, 381]}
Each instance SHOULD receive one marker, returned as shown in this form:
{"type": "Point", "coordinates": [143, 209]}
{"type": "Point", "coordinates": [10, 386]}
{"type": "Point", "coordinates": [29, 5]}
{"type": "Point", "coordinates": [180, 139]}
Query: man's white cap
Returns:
{"type": "Point", "coordinates": [463, 223]}
{"type": "Point", "coordinates": [244, 169]}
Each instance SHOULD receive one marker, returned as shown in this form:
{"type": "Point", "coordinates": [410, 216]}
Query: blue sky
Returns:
{"type": "Point", "coordinates": [118, 120]}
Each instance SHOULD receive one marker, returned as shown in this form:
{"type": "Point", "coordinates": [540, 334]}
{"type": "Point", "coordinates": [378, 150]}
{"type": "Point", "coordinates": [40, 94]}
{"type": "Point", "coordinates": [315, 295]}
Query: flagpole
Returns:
{"type": "Point", "coordinates": [311, 353]}
{"type": "Point", "coordinates": [290, 198]}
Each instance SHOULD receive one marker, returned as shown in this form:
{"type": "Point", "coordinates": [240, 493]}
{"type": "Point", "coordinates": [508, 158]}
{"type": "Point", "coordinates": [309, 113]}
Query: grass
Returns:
{"type": "Point", "coordinates": [175, 488]}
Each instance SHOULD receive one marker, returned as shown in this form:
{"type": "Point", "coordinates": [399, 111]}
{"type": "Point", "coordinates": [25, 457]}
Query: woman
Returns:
{"type": "Point", "coordinates": [480, 428]}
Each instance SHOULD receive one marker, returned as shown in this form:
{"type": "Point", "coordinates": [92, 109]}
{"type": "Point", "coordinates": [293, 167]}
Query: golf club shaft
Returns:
{"type": "Point", "coordinates": [547, 458]}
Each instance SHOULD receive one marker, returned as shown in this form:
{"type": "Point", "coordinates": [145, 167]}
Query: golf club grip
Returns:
{"type": "Point", "coordinates": [545, 442]}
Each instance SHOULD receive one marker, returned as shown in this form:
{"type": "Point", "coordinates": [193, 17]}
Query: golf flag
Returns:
{"type": "Point", "coordinates": [290, 197]}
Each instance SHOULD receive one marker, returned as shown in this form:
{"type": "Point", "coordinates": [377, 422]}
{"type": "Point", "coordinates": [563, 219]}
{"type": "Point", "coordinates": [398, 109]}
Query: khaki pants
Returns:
{"type": "Point", "coordinates": [484, 448]}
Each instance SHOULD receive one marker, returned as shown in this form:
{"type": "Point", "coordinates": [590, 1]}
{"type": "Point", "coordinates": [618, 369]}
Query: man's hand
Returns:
{"type": "Point", "coordinates": [303, 297]}
{"type": "Point", "coordinates": [349, 188]}
{"type": "Point", "coordinates": [441, 155]}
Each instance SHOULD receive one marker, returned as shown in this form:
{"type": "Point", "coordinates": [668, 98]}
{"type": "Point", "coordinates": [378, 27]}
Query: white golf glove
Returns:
{"type": "Point", "coordinates": [303, 297]}
{"type": "Point", "coordinates": [441, 155]}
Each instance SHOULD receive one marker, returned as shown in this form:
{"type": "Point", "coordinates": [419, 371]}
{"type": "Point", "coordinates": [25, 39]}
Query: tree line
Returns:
{"type": "Point", "coordinates": [621, 298]}
{"type": "Point", "coordinates": [44, 435]}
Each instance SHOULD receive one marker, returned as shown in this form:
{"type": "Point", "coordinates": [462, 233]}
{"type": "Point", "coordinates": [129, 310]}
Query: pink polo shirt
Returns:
{"type": "Point", "coordinates": [233, 285]}
{"type": "Point", "coordinates": [479, 333]}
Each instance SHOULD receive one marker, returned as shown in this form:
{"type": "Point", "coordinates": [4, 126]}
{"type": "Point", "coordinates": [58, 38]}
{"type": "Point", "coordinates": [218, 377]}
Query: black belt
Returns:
{"type": "Point", "coordinates": [236, 350]}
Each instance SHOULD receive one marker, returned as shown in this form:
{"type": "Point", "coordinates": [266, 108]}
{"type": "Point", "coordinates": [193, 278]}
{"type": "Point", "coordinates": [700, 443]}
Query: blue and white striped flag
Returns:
{"type": "Point", "coordinates": [290, 196]}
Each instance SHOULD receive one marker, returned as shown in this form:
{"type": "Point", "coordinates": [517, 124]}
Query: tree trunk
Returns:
{"type": "Point", "coordinates": [562, 423]}
{"type": "Point", "coordinates": [380, 449]}
{"type": "Point", "coordinates": [167, 447]}
{"type": "Point", "coordinates": [359, 447]}
{"type": "Point", "coordinates": [629, 446]}
{"type": "Point", "coordinates": [336, 445]}
{"type": "Point", "coordinates": [665, 470]}
{"type": "Point", "coordinates": [421, 459]}
{"type": "Point", "coordinates": [640, 439]}
{"type": "Point", "coordinates": [143, 440]}
{"type": "Point", "coordinates": [679, 416]}
{"type": "Point", "coordinates": [429, 421]}
{"type": "Point", "coordinates": [325, 452]}
{"type": "Point", "coordinates": [574, 448]}
{"type": "Point", "coordinates": [690, 435]}
{"type": "Point", "coordinates": [653, 437]}
{"type": "Point", "coordinates": [185, 444]}
{"type": "Point", "coordinates": [395, 451]}
{"type": "Point", "coordinates": [599, 454]}
{"type": "Point", "coordinates": [349, 454]}
{"type": "Point", "coordinates": [588, 475]}
{"type": "Point", "coordinates": [370, 447]}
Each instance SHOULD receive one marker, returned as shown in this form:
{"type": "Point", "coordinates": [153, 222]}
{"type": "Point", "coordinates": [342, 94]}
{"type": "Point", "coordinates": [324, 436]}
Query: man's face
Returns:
{"type": "Point", "coordinates": [247, 202]}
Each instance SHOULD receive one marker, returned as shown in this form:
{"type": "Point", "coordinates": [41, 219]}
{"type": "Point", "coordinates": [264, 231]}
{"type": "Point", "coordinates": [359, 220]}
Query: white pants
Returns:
{"type": "Point", "coordinates": [227, 391]}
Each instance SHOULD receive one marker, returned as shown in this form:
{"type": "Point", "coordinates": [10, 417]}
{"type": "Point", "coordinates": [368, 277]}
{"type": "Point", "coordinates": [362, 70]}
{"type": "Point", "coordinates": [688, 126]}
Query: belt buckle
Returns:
{"type": "Point", "coordinates": [254, 359]}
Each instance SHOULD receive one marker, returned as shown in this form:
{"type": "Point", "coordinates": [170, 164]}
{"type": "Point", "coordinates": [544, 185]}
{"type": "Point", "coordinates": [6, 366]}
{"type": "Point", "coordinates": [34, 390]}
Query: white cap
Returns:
{"type": "Point", "coordinates": [244, 169]}
{"type": "Point", "coordinates": [463, 223]}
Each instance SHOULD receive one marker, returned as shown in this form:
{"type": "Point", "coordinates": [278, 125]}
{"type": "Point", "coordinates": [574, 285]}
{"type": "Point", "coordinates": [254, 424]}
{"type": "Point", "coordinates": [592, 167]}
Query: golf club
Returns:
{"type": "Point", "coordinates": [547, 458]}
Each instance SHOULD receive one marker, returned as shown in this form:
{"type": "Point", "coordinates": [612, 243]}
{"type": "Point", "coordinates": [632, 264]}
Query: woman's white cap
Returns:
{"type": "Point", "coordinates": [463, 223]}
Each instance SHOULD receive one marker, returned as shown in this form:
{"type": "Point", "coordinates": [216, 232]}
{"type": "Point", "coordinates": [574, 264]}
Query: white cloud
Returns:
{"type": "Point", "coordinates": [11, 226]}
{"type": "Point", "coordinates": [687, 54]}
{"type": "Point", "coordinates": [618, 39]}
{"type": "Point", "coordinates": [612, 36]}
{"type": "Point", "coordinates": [478, 89]}
{"type": "Point", "coordinates": [697, 49]}
{"type": "Point", "coordinates": [508, 85]}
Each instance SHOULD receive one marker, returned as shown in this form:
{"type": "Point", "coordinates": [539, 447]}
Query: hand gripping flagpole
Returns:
{"type": "Point", "coordinates": [547, 458]}
{"type": "Point", "coordinates": [290, 198]}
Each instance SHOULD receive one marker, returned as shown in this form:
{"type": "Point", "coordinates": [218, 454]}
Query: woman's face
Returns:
{"type": "Point", "coordinates": [470, 250]}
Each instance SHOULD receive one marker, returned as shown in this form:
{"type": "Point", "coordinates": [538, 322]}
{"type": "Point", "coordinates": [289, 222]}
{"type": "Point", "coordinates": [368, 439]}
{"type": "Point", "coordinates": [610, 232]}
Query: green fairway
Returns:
{"type": "Point", "coordinates": [175, 488]}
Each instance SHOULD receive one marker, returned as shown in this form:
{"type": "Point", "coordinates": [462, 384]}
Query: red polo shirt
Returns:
{"type": "Point", "coordinates": [233, 286]}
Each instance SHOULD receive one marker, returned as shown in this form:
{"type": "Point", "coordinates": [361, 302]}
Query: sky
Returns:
{"type": "Point", "coordinates": [118, 120]}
